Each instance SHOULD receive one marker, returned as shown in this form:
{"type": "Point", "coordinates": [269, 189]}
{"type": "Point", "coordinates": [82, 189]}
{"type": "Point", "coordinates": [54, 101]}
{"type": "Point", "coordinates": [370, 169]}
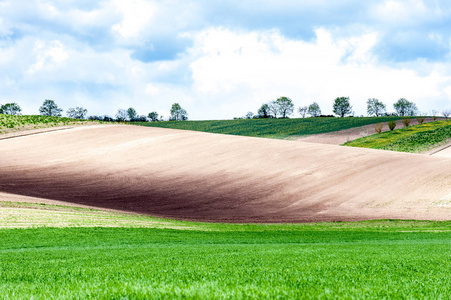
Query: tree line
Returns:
{"type": "Point", "coordinates": [283, 107]}
{"type": "Point", "coordinates": [50, 108]}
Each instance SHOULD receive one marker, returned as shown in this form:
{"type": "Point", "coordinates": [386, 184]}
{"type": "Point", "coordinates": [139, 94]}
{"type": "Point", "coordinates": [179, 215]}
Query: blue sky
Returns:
{"type": "Point", "coordinates": [221, 59]}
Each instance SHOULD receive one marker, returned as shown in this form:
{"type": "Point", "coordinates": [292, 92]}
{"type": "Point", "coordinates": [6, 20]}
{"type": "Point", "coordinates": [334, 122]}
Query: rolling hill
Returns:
{"type": "Point", "coordinates": [209, 177]}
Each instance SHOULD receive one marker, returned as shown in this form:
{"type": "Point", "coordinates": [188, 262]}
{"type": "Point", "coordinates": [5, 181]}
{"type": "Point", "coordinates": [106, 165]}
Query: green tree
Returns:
{"type": "Point", "coordinates": [342, 107]}
{"type": "Point", "coordinates": [285, 106]}
{"type": "Point", "coordinates": [405, 108]}
{"type": "Point", "coordinates": [314, 110]}
{"type": "Point", "coordinates": [10, 109]}
{"type": "Point", "coordinates": [49, 108]}
{"type": "Point", "coordinates": [131, 113]}
{"type": "Point", "coordinates": [178, 113]}
{"type": "Point", "coordinates": [375, 107]}
{"type": "Point", "coordinates": [264, 111]}
{"type": "Point", "coordinates": [153, 116]}
{"type": "Point", "coordinates": [77, 113]}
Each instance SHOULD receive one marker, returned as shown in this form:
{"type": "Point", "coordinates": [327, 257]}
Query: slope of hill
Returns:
{"type": "Point", "coordinates": [271, 128]}
{"type": "Point", "coordinates": [200, 176]}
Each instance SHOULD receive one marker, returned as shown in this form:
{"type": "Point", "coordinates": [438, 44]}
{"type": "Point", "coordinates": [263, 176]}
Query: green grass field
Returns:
{"type": "Point", "coordinates": [271, 128]}
{"type": "Point", "coordinates": [167, 259]}
{"type": "Point", "coordinates": [418, 138]}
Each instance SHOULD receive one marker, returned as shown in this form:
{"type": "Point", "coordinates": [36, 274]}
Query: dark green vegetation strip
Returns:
{"type": "Point", "coordinates": [379, 259]}
{"type": "Point", "coordinates": [30, 122]}
{"type": "Point", "coordinates": [271, 128]}
{"type": "Point", "coordinates": [416, 138]}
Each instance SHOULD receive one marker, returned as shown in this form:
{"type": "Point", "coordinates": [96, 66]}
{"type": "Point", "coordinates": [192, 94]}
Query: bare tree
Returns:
{"type": "Point", "coordinates": [446, 113]}
{"type": "Point", "coordinates": [375, 107]}
{"type": "Point", "coordinates": [303, 111]}
{"type": "Point", "coordinates": [273, 108]}
{"type": "Point", "coordinates": [77, 113]}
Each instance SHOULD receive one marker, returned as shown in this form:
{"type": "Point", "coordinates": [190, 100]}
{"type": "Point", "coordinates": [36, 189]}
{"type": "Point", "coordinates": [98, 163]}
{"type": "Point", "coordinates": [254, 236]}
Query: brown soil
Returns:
{"type": "Point", "coordinates": [209, 177]}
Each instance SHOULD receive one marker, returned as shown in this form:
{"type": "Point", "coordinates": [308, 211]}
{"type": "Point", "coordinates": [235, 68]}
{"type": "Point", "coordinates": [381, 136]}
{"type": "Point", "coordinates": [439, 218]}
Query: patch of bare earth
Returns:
{"type": "Point", "coordinates": [343, 136]}
{"type": "Point", "coordinates": [210, 177]}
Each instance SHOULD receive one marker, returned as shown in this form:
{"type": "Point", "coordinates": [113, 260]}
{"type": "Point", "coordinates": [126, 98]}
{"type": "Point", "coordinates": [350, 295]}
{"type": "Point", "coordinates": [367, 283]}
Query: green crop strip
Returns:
{"type": "Point", "coordinates": [271, 128]}
{"type": "Point", "coordinates": [373, 259]}
{"type": "Point", "coordinates": [12, 122]}
{"type": "Point", "coordinates": [418, 138]}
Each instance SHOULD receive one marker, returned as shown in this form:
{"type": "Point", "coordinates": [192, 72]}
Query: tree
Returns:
{"type": "Point", "coordinates": [314, 110]}
{"type": "Point", "coordinates": [121, 115]}
{"type": "Point", "coordinates": [273, 108]}
{"type": "Point", "coordinates": [249, 115]}
{"type": "Point", "coordinates": [10, 109]}
{"type": "Point", "coordinates": [77, 113]}
{"type": "Point", "coordinates": [153, 116]}
{"type": "Point", "coordinates": [342, 107]}
{"type": "Point", "coordinates": [131, 113]}
{"type": "Point", "coordinates": [405, 108]}
{"type": "Point", "coordinates": [178, 113]}
{"type": "Point", "coordinates": [49, 108]}
{"type": "Point", "coordinates": [446, 113]}
{"type": "Point", "coordinates": [303, 111]}
{"type": "Point", "coordinates": [375, 107]}
{"type": "Point", "coordinates": [264, 111]}
{"type": "Point", "coordinates": [285, 106]}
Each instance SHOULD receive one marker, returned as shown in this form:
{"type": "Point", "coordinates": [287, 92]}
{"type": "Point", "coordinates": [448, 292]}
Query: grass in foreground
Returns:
{"type": "Point", "coordinates": [418, 138]}
{"type": "Point", "coordinates": [372, 259]}
{"type": "Point", "coordinates": [271, 128]}
{"type": "Point", "coordinates": [10, 123]}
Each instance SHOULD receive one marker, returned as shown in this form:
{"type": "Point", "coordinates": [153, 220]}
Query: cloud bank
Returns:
{"type": "Point", "coordinates": [222, 60]}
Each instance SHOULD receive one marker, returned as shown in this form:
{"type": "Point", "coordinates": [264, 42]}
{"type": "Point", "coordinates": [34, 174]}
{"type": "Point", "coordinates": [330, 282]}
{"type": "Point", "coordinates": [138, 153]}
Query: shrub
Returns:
{"type": "Point", "coordinates": [392, 125]}
{"type": "Point", "coordinates": [406, 122]}
{"type": "Point", "coordinates": [434, 118]}
{"type": "Point", "coordinates": [378, 127]}
{"type": "Point", "coordinates": [420, 120]}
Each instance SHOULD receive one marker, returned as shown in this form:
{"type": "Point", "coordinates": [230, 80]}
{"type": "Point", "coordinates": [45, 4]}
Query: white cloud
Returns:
{"type": "Point", "coordinates": [266, 65]}
{"type": "Point", "coordinates": [406, 12]}
{"type": "Point", "coordinates": [48, 55]}
{"type": "Point", "coordinates": [136, 16]}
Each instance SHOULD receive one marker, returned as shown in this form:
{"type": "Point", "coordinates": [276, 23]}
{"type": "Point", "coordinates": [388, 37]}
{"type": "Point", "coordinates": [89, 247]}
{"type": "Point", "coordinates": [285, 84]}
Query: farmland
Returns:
{"type": "Point", "coordinates": [147, 248]}
{"type": "Point", "coordinates": [271, 128]}
{"type": "Point", "coordinates": [370, 259]}
{"type": "Point", "coordinates": [418, 138]}
{"type": "Point", "coordinates": [10, 123]}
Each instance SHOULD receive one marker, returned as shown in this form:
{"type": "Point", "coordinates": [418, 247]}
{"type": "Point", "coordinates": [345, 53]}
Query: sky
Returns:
{"type": "Point", "coordinates": [221, 59]}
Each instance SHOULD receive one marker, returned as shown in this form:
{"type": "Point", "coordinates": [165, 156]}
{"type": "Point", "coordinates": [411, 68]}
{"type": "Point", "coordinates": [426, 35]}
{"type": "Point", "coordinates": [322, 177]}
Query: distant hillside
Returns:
{"type": "Point", "coordinates": [271, 128]}
{"type": "Point", "coordinates": [9, 123]}
{"type": "Point", "coordinates": [415, 139]}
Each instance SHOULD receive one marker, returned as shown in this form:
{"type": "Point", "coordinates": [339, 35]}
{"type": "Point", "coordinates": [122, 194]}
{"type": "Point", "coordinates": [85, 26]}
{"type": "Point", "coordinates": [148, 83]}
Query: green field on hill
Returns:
{"type": "Point", "coordinates": [12, 122]}
{"type": "Point", "coordinates": [418, 138]}
{"type": "Point", "coordinates": [167, 259]}
{"type": "Point", "coordinates": [271, 128]}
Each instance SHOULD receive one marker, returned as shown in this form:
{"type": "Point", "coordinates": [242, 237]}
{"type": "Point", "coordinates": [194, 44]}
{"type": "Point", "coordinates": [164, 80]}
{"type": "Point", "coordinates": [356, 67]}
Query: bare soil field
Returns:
{"type": "Point", "coordinates": [210, 177]}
